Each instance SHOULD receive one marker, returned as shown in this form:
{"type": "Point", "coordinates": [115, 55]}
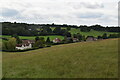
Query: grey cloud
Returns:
{"type": "Point", "coordinates": [87, 5]}
{"type": "Point", "coordinates": [93, 6]}
{"type": "Point", "coordinates": [9, 12]}
{"type": "Point", "coordinates": [89, 15]}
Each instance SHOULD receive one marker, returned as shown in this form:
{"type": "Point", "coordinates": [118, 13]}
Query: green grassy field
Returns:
{"type": "Point", "coordinates": [33, 37]}
{"type": "Point", "coordinates": [98, 59]}
{"type": "Point", "coordinates": [91, 33]}
{"type": "Point", "coordinates": [73, 31]}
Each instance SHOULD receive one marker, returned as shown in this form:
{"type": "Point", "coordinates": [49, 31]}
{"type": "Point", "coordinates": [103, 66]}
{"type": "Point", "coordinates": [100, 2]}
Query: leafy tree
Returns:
{"type": "Point", "coordinates": [57, 30]}
{"type": "Point", "coordinates": [85, 28]}
{"type": "Point", "coordinates": [18, 40]}
{"type": "Point", "coordinates": [49, 30]}
{"type": "Point", "coordinates": [99, 37]}
{"type": "Point", "coordinates": [48, 40]}
{"type": "Point", "coordinates": [11, 44]}
{"type": "Point", "coordinates": [68, 34]}
{"type": "Point", "coordinates": [37, 38]}
{"type": "Point", "coordinates": [75, 36]}
{"type": "Point", "coordinates": [83, 38]}
{"type": "Point", "coordinates": [68, 28]}
{"type": "Point", "coordinates": [63, 32]}
{"type": "Point", "coordinates": [40, 42]}
{"type": "Point", "coordinates": [4, 45]}
{"type": "Point", "coordinates": [79, 36]}
{"type": "Point", "coordinates": [104, 36]}
{"type": "Point", "coordinates": [113, 36]}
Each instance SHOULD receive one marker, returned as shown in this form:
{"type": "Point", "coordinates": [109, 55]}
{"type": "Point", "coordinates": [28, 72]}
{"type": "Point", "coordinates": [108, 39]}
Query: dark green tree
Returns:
{"type": "Point", "coordinates": [83, 38]}
{"type": "Point", "coordinates": [57, 30]}
{"type": "Point", "coordinates": [104, 36]}
{"type": "Point", "coordinates": [68, 28]}
{"type": "Point", "coordinates": [79, 36]}
{"type": "Point", "coordinates": [11, 44]}
{"type": "Point", "coordinates": [39, 43]}
{"type": "Point", "coordinates": [37, 38]}
{"type": "Point", "coordinates": [48, 40]}
{"type": "Point", "coordinates": [99, 37]}
{"type": "Point", "coordinates": [18, 40]}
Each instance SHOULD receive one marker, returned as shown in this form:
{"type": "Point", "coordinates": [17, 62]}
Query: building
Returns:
{"type": "Point", "coordinates": [26, 44]}
{"type": "Point", "coordinates": [91, 38]}
{"type": "Point", "coordinates": [75, 40]}
{"type": "Point", "coordinates": [56, 40]}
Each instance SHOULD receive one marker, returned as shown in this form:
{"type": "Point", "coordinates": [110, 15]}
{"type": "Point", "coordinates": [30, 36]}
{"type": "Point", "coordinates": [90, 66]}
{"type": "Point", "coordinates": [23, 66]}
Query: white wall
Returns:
{"type": "Point", "coordinates": [24, 47]}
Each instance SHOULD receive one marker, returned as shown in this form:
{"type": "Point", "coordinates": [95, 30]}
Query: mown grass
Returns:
{"type": "Point", "coordinates": [33, 37]}
{"type": "Point", "coordinates": [97, 59]}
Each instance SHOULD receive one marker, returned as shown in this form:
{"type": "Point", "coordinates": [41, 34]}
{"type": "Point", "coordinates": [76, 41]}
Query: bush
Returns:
{"type": "Point", "coordinates": [9, 45]}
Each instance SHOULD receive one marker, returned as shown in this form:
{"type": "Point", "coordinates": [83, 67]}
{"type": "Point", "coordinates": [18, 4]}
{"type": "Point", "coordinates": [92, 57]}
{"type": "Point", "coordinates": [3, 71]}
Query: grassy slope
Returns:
{"type": "Point", "coordinates": [91, 33]}
{"type": "Point", "coordinates": [85, 60]}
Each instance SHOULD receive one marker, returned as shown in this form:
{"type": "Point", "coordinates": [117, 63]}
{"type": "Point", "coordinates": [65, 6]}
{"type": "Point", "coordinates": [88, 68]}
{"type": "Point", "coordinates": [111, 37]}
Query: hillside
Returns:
{"type": "Point", "coordinates": [82, 60]}
{"type": "Point", "coordinates": [24, 29]}
{"type": "Point", "coordinates": [73, 31]}
{"type": "Point", "coordinates": [91, 33]}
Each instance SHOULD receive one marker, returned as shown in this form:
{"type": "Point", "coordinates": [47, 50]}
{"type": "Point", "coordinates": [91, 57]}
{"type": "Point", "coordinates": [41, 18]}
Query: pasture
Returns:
{"type": "Point", "coordinates": [33, 37]}
{"type": "Point", "coordinates": [98, 59]}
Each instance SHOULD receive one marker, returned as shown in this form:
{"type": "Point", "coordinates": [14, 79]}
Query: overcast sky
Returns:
{"type": "Point", "coordinates": [76, 12]}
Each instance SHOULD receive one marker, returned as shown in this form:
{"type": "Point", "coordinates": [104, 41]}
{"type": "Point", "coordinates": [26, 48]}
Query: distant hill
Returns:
{"type": "Point", "coordinates": [24, 29]}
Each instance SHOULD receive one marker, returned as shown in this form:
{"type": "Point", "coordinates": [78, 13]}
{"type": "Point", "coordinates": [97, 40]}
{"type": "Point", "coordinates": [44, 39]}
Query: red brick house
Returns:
{"type": "Point", "coordinates": [57, 40]}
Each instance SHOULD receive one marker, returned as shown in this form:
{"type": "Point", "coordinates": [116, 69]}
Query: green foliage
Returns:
{"type": "Point", "coordinates": [68, 28]}
{"type": "Point", "coordinates": [85, 28]}
{"type": "Point", "coordinates": [99, 37]}
{"type": "Point", "coordinates": [83, 38]}
{"type": "Point", "coordinates": [79, 36]}
{"type": "Point", "coordinates": [37, 38]}
{"type": "Point", "coordinates": [40, 42]}
{"type": "Point", "coordinates": [4, 45]}
{"type": "Point", "coordinates": [48, 40]}
{"type": "Point", "coordinates": [114, 36]}
{"type": "Point", "coordinates": [18, 40]}
{"type": "Point", "coordinates": [10, 44]}
{"type": "Point", "coordinates": [75, 36]}
{"type": "Point", "coordinates": [104, 36]}
{"type": "Point", "coordinates": [57, 30]}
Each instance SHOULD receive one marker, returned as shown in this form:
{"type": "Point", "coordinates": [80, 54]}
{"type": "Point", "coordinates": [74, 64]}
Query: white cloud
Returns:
{"type": "Point", "coordinates": [77, 12]}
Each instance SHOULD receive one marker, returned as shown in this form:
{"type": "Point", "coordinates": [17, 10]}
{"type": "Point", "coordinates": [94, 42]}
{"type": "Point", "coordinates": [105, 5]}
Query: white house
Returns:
{"type": "Point", "coordinates": [75, 40]}
{"type": "Point", "coordinates": [26, 44]}
{"type": "Point", "coordinates": [22, 47]}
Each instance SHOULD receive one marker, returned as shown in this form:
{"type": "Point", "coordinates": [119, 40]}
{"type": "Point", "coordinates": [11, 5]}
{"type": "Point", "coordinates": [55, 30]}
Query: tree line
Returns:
{"type": "Point", "coordinates": [24, 29]}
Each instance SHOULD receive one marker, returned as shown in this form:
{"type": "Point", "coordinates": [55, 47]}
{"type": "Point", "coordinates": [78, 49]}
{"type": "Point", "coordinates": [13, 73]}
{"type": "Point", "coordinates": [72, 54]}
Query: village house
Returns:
{"type": "Point", "coordinates": [91, 38]}
{"type": "Point", "coordinates": [56, 40]}
{"type": "Point", "coordinates": [26, 44]}
{"type": "Point", "coordinates": [75, 40]}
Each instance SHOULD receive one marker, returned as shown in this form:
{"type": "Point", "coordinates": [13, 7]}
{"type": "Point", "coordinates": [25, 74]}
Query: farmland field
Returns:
{"type": "Point", "coordinates": [73, 31]}
{"type": "Point", "coordinates": [33, 37]}
{"type": "Point", "coordinates": [98, 59]}
{"type": "Point", "coordinates": [91, 33]}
